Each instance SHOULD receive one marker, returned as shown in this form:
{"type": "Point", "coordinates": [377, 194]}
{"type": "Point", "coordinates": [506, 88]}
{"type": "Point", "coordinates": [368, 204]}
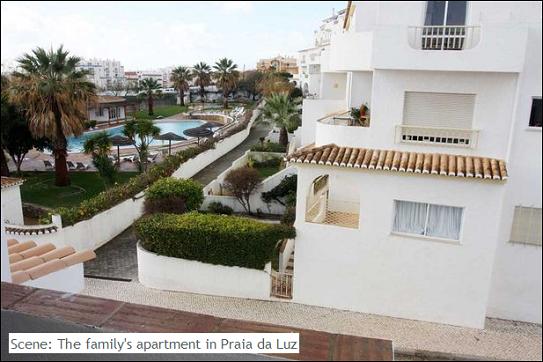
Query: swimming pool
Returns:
{"type": "Point", "coordinates": [75, 144]}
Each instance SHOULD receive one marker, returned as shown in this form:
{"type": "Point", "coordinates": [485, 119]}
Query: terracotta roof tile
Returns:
{"type": "Point", "coordinates": [399, 161]}
{"type": "Point", "coordinates": [10, 181]}
{"type": "Point", "coordinates": [29, 261]}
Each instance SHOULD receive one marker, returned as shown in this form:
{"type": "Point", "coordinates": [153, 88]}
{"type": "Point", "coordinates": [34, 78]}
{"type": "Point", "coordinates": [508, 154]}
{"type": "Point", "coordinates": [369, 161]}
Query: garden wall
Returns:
{"type": "Point", "coordinates": [167, 273]}
{"type": "Point", "coordinates": [256, 201]}
{"type": "Point", "coordinates": [95, 232]}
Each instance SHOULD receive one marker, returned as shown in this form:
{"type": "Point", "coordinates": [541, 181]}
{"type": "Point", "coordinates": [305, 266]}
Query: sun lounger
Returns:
{"type": "Point", "coordinates": [71, 165]}
{"type": "Point", "coordinates": [49, 165]}
{"type": "Point", "coordinates": [152, 157]}
{"type": "Point", "coordinates": [130, 158]}
{"type": "Point", "coordinates": [82, 166]}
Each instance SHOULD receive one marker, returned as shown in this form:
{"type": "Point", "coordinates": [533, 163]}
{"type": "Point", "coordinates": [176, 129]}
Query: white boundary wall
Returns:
{"type": "Point", "coordinates": [95, 232]}
{"type": "Point", "coordinates": [256, 201]}
{"type": "Point", "coordinates": [167, 273]}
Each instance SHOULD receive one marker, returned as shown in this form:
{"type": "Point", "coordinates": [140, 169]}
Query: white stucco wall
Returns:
{"type": "Point", "coordinates": [516, 289]}
{"type": "Point", "coordinates": [68, 280]}
{"type": "Point", "coordinates": [333, 86]}
{"type": "Point", "coordinates": [12, 207]}
{"type": "Point", "coordinates": [372, 271]}
{"type": "Point", "coordinates": [315, 109]}
{"type": "Point", "coordinates": [167, 273]}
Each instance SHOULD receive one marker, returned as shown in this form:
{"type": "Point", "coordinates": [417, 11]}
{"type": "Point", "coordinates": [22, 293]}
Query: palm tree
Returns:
{"type": "Point", "coordinates": [180, 78]}
{"type": "Point", "coordinates": [226, 76]}
{"type": "Point", "coordinates": [141, 133]}
{"type": "Point", "coordinates": [202, 75]}
{"type": "Point", "coordinates": [54, 94]}
{"type": "Point", "coordinates": [283, 112]}
{"type": "Point", "coordinates": [149, 86]}
{"type": "Point", "coordinates": [99, 146]}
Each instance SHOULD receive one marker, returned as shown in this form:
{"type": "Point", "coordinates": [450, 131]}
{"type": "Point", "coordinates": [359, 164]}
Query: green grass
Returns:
{"type": "Point", "coordinates": [164, 111]}
{"type": "Point", "coordinates": [267, 171]}
{"type": "Point", "coordinates": [39, 188]}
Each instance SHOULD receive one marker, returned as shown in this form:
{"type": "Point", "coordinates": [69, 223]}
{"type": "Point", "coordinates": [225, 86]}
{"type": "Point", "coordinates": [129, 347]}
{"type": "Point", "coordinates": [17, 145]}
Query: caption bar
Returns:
{"type": "Point", "coordinates": [154, 343]}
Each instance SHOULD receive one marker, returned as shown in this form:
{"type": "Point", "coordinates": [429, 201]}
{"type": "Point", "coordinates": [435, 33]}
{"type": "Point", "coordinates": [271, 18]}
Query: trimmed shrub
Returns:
{"type": "Point", "coordinates": [269, 146]}
{"type": "Point", "coordinates": [218, 208]}
{"type": "Point", "coordinates": [169, 188]}
{"type": "Point", "coordinates": [213, 239]}
{"type": "Point", "coordinates": [171, 205]}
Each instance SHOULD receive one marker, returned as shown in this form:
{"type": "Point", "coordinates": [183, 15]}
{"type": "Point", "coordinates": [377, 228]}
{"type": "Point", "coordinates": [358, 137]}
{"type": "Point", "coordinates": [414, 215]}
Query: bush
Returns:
{"type": "Point", "coordinates": [241, 183]}
{"type": "Point", "coordinates": [119, 193]}
{"type": "Point", "coordinates": [213, 239]}
{"type": "Point", "coordinates": [191, 192]}
{"type": "Point", "coordinates": [172, 205]}
{"type": "Point", "coordinates": [218, 208]}
{"type": "Point", "coordinates": [289, 216]}
{"type": "Point", "coordinates": [269, 147]}
{"type": "Point", "coordinates": [284, 193]}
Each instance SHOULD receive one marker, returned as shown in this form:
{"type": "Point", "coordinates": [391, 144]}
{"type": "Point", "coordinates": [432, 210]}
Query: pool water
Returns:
{"type": "Point", "coordinates": [75, 144]}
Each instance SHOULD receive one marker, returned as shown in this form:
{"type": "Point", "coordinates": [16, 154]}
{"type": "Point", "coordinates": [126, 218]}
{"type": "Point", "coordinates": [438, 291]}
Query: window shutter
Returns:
{"type": "Point", "coordinates": [448, 110]}
{"type": "Point", "coordinates": [526, 228]}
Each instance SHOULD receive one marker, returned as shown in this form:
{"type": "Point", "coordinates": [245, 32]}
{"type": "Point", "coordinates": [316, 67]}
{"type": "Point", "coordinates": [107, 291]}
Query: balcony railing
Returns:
{"type": "Point", "coordinates": [345, 119]}
{"type": "Point", "coordinates": [444, 37]}
{"type": "Point", "coordinates": [455, 137]}
{"type": "Point", "coordinates": [333, 212]}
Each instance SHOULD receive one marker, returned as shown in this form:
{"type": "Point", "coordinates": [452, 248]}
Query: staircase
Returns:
{"type": "Point", "coordinates": [281, 282]}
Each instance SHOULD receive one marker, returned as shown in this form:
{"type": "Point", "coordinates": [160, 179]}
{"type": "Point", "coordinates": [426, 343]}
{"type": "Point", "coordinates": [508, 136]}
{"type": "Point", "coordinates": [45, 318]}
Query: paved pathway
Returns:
{"type": "Point", "coordinates": [211, 172]}
{"type": "Point", "coordinates": [499, 340]}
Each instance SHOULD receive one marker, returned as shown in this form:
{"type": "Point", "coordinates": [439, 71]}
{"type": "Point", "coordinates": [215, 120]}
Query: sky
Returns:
{"type": "Point", "coordinates": [151, 35]}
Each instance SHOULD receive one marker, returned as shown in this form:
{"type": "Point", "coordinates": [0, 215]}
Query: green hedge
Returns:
{"type": "Point", "coordinates": [168, 187]}
{"type": "Point", "coordinates": [213, 239]}
{"type": "Point", "coordinates": [117, 194]}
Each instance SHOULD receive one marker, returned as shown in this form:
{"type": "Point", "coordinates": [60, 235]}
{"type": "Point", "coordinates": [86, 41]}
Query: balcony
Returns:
{"type": "Point", "coordinates": [340, 128]}
{"type": "Point", "coordinates": [440, 136]}
{"type": "Point", "coordinates": [333, 212]}
{"type": "Point", "coordinates": [444, 37]}
{"type": "Point", "coordinates": [471, 48]}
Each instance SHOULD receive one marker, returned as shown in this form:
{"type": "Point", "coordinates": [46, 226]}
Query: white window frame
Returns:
{"type": "Point", "coordinates": [468, 12]}
{"type": "Point", "coordinates": [426, 237]}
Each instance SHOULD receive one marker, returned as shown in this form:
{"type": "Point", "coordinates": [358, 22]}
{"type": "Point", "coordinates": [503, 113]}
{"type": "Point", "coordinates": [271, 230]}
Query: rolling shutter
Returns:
{"type": "Point", "coordinates": [448, 110]}
{"type": "Point", "coordinates": [526, 227]}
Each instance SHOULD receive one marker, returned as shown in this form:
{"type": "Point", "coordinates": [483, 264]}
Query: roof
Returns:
{"type": "Point", "coordinates": [399, 161]}
{"type": "Point", "coordinates": [29, 261]}
{"type": "Point", "coordinates": [110, 99]}
{"type": "Point", "coordinates": [11, 181]}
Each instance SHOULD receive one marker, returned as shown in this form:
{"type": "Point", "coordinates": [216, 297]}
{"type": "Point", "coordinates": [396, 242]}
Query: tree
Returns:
{"type": "Point", "coordinates": [226, 76]}
{"type": "Point", "coordinates": [180, 78]}
{"type": "Point", "coordinates": [141, 133]}
{"type": "Point", "coordinates": [283, 112]}
{"type": "Point", "coordinates": [241, 183]}
{"type": "Point", "coordinates": [202, 78]}
{"type": "Point", "coordinates": [4, 169]}
{"type": "Point", "coordinates": [117, 88]}
{"type": "Point", "coordinates": [54, 95]}
{"type": "Point", "coordinates": [99, 146]}
{"type": "Point", "coordinates": [250, 82]}
{"type": "Point", "coordinates": [274, 82]}
{"type": "Point", "coordinates": [149, 86]}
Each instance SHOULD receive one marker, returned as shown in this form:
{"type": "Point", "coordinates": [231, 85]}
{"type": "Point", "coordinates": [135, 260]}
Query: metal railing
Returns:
{"type": "Point", "coordinates": [456, 137]}
{"type": "Point", "coordinates": [447, 37]}
{"type": "Point", "coordinates": [281, 284]}
{"type": "Point", "coordinates": [345, 119]}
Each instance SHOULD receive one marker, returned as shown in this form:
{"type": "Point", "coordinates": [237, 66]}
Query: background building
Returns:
{"type": "Point", "coordinates": [279, 63]}
{"type": "Point", "coordinates": [105, 74]}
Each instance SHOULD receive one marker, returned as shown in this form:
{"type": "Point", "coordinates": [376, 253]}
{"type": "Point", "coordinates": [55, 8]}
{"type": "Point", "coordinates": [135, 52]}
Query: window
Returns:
{"type": "Point", "coordinates": [535, 115]}
{"type": "Point", "coordinates": [112, 113]}
{"type": "Point", "coordinates": [445, 13]}
{"type": "Point", "coordinates": [526, 228]}
{"type": "Point", "coordinates": [429, 220]}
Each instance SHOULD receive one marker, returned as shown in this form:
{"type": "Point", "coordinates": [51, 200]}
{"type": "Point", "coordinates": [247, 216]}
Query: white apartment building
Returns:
{"type": "Point", "coordinates": [105, 74]}
{"type": "Point", "coordinates": [429, 207]}
{"type": "Point", "coordinates": [309, 59]}
{"type": "Point", "coordinates": [162, 76]}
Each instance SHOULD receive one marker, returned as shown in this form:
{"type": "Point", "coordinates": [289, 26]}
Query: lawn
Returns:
{"type": "Point", "coordinates": [39, 188]}
{"type": "Point", "coordinates": [164, 111]}
{"type": "Point", "coordinates": [267, 171]}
